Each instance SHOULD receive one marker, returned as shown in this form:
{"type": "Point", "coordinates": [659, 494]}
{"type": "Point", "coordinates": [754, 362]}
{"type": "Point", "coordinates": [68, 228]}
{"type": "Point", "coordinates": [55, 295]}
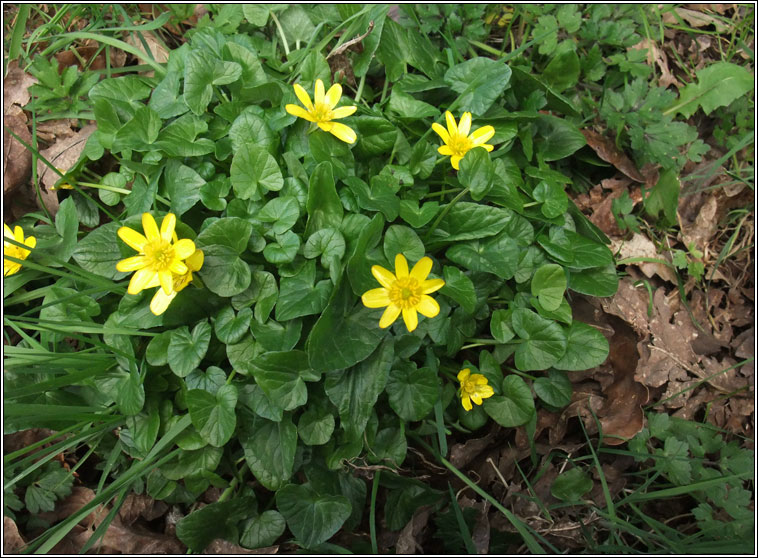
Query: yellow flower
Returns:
{"type": "Point", "coordinates": [474, 388]}
{"type": "Point", "coordinates": [9, 267]}
{"type": "Point", "coordinates": [161, 300]}
{"type": "Point", "coordinates": [63, 185]}
{"type": "Point", "coordinates": [457, 139]}
{"type": "Point", "coordinates": [404, 292]}
{"type": "Point", "coordinates": [322, 111]}
{"type": "Point", "coordinates": [158, 258]}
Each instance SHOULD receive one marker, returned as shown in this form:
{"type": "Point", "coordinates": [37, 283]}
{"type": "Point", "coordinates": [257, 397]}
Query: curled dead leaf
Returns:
{"type": "Point", "coordinates": [606, 149]}
{"type": "Point", "coordinates": [621, 415]}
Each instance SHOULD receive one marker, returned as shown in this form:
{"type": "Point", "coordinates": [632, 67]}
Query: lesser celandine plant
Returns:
{"type": "Point", "coordinates": [285, 359]}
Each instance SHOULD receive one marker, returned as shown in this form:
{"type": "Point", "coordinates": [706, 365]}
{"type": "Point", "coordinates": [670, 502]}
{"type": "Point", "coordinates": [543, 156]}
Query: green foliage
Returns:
{"type": "Point", "coordinates": [268, 365]}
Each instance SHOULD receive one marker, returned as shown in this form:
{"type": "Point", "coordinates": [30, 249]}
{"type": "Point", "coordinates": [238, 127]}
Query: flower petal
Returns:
{"type": "Point", "coordinates": [422, 268]}
{"type": "Point", "coordinates": [455, 161]}
{"type": "Point", "coordinates": [7, 231]}
{"type": "Point", "coordinates": [410, 317]}
{"type": "Point", "coordinates": [464, 374]}
{"type": "Point", "coordinates": [376, 298]}
{"type": "Point", "coordinates": [428, 306]}
{"type": "Point", "coordinates": [479, 379]}
{"type": "Point", "coordinates": [465, 124]}
{"type": "Point", "coordinates": [333, 95]}
{"type": "Point", "coordinates": [431, 285]}
{"type": "Point", "coordinates": [345, 133]}
{"type": "Point", "coordinates": [444, 150]}
{"type": "Point", "coordinates": [140, 280]}
{"type": "Point", "coordinates": [167, 281]}
{"type": "Point", "coordinates": [476, 398]}
{"type": "Point", "coordinates": [132, 238]}
{"type": "Point", "coordinates": [300, 112]}
{"type": "Point", "coordinates": [131, 264]}
{"type": "Point", "coordinates": [343, 112]}
{"type": "Point", "coordinates": [326, 126]}
{"type": "Point", "coordinates": [466, 402]}
{"type": "Point", "coordinates": [302, 94]}
{"type": "Point", "coordinates": [385, 277]}
{"type": "Point", "coordinates": [318, 95]}
{"type": "Point", "coordinates": [150, 227]}
{"type": "Point", "coordinates": [18, 234]}
{"type": "Point", "coordinates": [452, 127]}
{"type": "Point", "coordinates": [485, 391]}
{"type": "Point", "coordinates": [167, 227]}
{"type": "Point", "coordinates": [195, 261]}
{"type": "Point", "coordinates": [30, 241]}
{"type": "Point", "coordinates": [401, 266]}
{"type": "Point", "coordinates": [441, 132]}
{"type": "Point", "coordinates": [184, 248]}
{"type": "Point", "coordinates": [389, 316]}
{"type": "Point", "coordinates": [178, 267]}
{"type": "Point", "coordinates": [160, 302]}
{"type": "Point", "coordinates": [481, 135]}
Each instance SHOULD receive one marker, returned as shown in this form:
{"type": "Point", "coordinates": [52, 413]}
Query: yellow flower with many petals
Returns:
{"type": "Point", "coordinates": [9, 267]}
{"type": "Point", "coordinates": [457, 139]}
{"type": "Point", "coordinates": [161, 300]}
{"type": "Point", "coordinates": [404, 292]}
{"type": "Point", "coordinates": [323, 110]}
{"type": "Point", "coordinates": [474, 387]}
{"type": "Point", "coordinates": [158, 260]}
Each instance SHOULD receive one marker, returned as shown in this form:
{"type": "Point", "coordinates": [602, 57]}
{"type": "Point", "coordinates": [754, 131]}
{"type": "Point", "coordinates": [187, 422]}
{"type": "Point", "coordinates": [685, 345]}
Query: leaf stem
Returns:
{"type": "Point", "coordinates": [444, 212]}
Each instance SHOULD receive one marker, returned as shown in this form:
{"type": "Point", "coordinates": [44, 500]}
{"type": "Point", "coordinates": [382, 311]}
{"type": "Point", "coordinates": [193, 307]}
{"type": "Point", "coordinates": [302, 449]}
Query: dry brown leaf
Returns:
{"type": "Point", "coordinates": [63, 154]}
{"type": "Point", "coordinates": [695, 19]}
{"type": "Point", "coordinates": [658, 57]}
{"type": "Point", "coordinates": [12, 539]}
{"type": "Point", "coordinates": [17, 159]}
{"type": "Point", "coordinates": [140, 505]}
{"type": "Point", "coordinates": [158, 50]}
{"type": "Point", "coordinates": [56, 129]}
{"type": "Point", "coordinates": [630, 303]}
{"type": "Point", "coordinates": [220, 546]}
{"type": "Point", "coordinates": [462, 454]}
{"type": "Point", "coordinates": [621, 415]}
{"type": "Point", "coordinates": [408, 541]}
{"type": "Point", "coordinates": [640, 246]}
{"type": "Point", "coordinates": [606, 149]}
{"type": "Point", "coordinates": [600, 202]}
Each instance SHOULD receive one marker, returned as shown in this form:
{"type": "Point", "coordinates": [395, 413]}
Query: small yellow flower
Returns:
{"type": "Point", "coordinates": [63, 185]}
{"type": "Point", "coordinates": [161, 300]}
{"type": "Point", "coordinates": [404, 292]}
{"type": "Point", "coordinates": [322, 111]}
{"type": "Point", "coordinates": [158, 258]}
{"type": "Point", "coordinates": [457, 139]}
{"type": "Point", "coordinates": [474, 388]}
{"type": "Point", "coordinates": [9, 267]}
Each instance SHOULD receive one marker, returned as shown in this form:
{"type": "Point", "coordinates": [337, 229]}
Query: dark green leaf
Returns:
{"type": "Point", "coordinates": [223, 272]}
{"type": "Point", "coordinates": [230, 328]}
{"type": "Point", "coordinates": [412, 393]}
{"type": "Point", "coordinates": [324, 205]}
{"type": "Point", "coordinates": [478, 81]}
{"type": "Point", "coordinates": [601, 281]}
{"type": "Point", "coordinates": [543, 341]}
{"type": "Point", "coordinates": [232, 232]}
{"type": "Point", "coordinates": [571, 485]}
{"type": "Point", "coordinates": [214, 521]}
{"type": "Point", "coordinates": [270, 450]}
{"type": "Point", "coordinates": [264, 529]}
{"type": "Point", "coordinates": [312, 518]}
{"type": "Point", "coordinates": [213, 415]}
{"type": "Point", "coordinates": [355, 391]}
{"type": "Point", "coordinates": [548, 285]}
{"type": "Point", "coordinates": [186, 350]}
{"type": "Point", "coordinates": [554, 389]}
{"type": "Point", "coordinates": [515, 407]}
{"type": "Point", "coordinates": [280, 375]}
{"type": "Point", "coordinates": [586, 348]}
{"type": "Point", "coordinates": [460, 288]}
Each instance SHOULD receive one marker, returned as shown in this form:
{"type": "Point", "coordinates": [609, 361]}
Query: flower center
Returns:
{"type": "Point", "coordinates": [469, 387]}
{"type": "Point", "coordinates": [459, 144]}
{"type": "Point", "coordinates": [159, 254]}
{"type": "Point", "coordinates": [406, 293]}
{"type": "Point", "coordinates": [321, 112]}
